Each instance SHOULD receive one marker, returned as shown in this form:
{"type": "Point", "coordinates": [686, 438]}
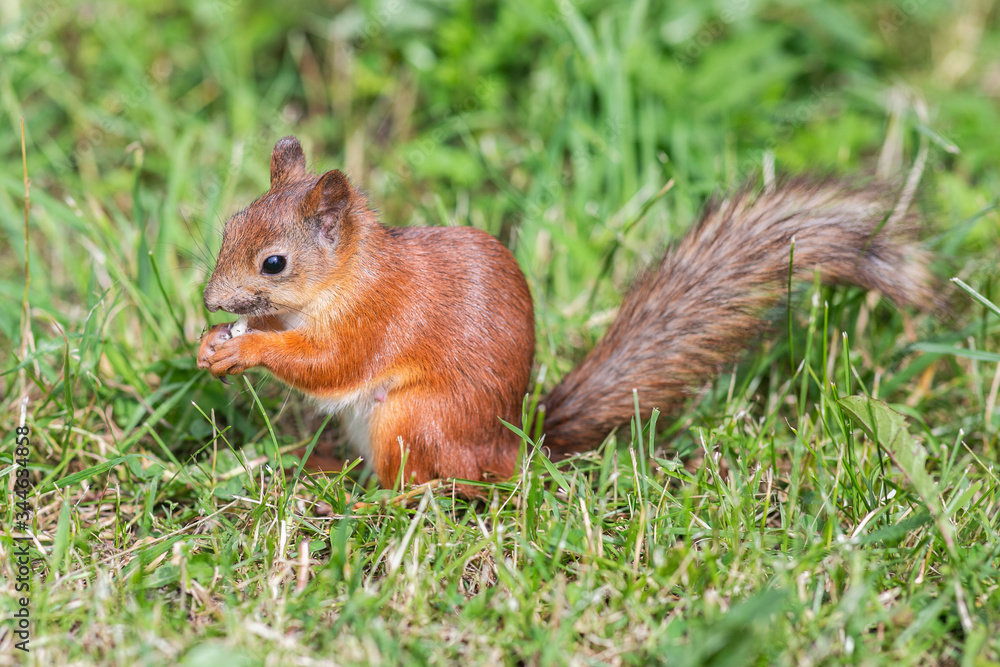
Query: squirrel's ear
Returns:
{"type": "Point", "coordinates": [330, 200]}
{"type": "Point", "coordinates": [287, 160]}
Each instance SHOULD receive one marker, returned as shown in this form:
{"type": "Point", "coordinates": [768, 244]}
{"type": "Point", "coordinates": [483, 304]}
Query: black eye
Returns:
{"type": "Point", "coordinates": [273, 264]}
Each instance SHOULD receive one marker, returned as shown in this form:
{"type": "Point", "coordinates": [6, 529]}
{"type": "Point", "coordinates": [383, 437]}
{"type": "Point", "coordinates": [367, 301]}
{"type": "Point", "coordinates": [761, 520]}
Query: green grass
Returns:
{"type": "Point", "coordinates": [173, 523]}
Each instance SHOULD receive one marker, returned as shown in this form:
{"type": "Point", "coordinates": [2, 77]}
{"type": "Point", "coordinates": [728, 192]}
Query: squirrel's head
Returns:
{"type": "Point", "coordinates": [279, 251]}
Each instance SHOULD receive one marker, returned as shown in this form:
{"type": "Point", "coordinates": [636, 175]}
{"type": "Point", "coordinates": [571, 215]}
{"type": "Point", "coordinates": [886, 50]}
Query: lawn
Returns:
{"type": "Point", "coordinates": [169, 519]}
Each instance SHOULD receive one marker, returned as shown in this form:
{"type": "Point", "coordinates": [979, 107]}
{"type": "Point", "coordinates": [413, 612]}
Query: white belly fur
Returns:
{"type": "Point", "coordinates": [356, 411]}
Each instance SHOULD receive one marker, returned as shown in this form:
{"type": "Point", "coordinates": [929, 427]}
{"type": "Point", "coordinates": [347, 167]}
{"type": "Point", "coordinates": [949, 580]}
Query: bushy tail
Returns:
{"type": "Point", "coordinates": [683, 320]}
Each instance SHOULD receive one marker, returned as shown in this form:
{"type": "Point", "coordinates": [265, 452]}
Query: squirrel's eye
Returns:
{"type": "Point", "coordinates": [273, 264]}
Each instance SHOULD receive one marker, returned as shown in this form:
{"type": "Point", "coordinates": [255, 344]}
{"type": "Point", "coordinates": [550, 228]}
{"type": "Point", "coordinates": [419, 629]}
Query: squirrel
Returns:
{"type": "Point", "coordinates": [424, 337]}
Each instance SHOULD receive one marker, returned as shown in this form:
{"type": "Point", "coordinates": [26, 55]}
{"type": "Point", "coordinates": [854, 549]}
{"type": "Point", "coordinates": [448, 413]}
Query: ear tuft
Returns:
{"type": "Point", "coordinates": [330, 200]}
{"type": "Point", "coordinates": [287, 160]}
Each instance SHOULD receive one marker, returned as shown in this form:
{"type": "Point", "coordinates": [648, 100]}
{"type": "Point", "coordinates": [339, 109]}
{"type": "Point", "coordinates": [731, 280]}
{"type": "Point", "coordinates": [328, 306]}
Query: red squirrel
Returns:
{"type": "Point", "coordinates": [423, 337]}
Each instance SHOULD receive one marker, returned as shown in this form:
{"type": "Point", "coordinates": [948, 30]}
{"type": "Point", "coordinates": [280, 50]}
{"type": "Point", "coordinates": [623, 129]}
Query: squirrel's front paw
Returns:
{"type": "Point", "coordinates": [233, 357]}
{"type": "Point", "coordinates": [211, 341]}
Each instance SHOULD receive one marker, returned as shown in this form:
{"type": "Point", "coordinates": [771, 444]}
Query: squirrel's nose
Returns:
{"type": "Point", "coordinates": [211, 298]}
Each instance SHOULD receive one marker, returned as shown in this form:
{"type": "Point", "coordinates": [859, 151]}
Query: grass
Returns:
{"type": "Point", "coordinates": [774, 522]}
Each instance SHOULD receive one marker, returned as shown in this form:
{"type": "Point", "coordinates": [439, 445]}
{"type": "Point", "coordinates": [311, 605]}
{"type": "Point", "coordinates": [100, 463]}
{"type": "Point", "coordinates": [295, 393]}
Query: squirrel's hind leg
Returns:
{"type": "Point", "coordinates": [424, 435]}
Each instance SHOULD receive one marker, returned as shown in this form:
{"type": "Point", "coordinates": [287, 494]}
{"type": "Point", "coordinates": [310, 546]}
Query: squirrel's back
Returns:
{"type": "Point", "coordinates": [685, 318]}
{"type": "Point", "coordinates": [469, 293]}
{"type": "Point", "coordinates": [466, 339]}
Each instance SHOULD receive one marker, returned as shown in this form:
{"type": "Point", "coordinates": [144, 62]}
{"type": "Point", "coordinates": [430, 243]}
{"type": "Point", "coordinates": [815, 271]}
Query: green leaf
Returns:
{"type": "Point", "coordinates": [159, 413]}
{"type": "Point", "coordinates": [550, 467]}
{"type": "Point", "coordinates": [76, 477]}
{"type": "Point", "coordinates": [977, 296]}
{"type": "Point", "coordinates": [888, 428]}
{"type": "Point", "coordinates": [895, 532]}
{"type": "Point", "coordinates": [942, 348]}
{"type": "Point", "coordinates": [62, 537]}
{"type": "Point", "coordinates": [961, 501]}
